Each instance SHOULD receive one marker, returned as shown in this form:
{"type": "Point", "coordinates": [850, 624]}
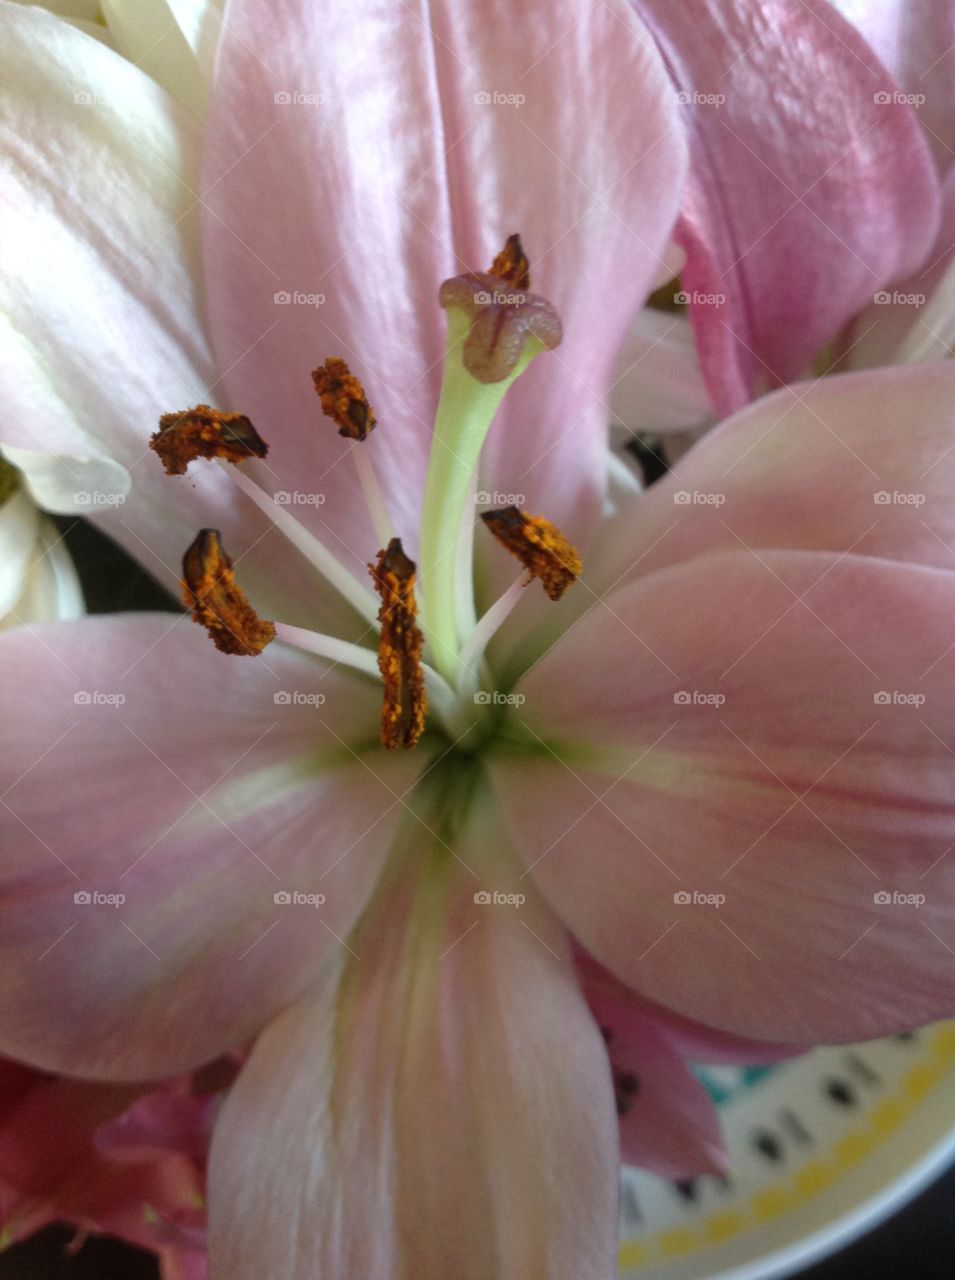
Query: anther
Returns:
{"type": "Point", "coordinates": [204, 432]}
{"type": "Point", "coordinates": [217, 601]}
{"type": "Point", "coordinates": [539, 545]}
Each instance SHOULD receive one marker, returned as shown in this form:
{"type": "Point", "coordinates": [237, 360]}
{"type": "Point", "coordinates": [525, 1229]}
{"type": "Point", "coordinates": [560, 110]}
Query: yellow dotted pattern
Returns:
{"type": "Point", "coordinates": [774, 1202]}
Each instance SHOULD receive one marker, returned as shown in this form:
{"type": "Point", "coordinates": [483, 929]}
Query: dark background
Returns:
{"type": "Point", "coordinates": [917, 1244]}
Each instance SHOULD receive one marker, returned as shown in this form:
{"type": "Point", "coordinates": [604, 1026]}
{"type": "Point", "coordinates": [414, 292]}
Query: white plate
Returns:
{"type": "Point", "coordinates": [821, 1149]}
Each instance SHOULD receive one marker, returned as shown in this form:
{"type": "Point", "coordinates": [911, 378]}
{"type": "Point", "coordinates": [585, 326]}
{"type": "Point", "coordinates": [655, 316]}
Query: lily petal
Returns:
{"type": "Point", "coordinates": [668, 1123]}
{"type": "Point", "coordinates": [916, 42]}
{"type": "Point", "coordinates": [802, 201]}
{"type": "Point", "coordinates": [365, 199]}
{"type": "Point", "coordinates": [857, 462]}
{"type": "Point", "coordinates": [456, 1117]}
{"type": "Point", "coordinates": [140, 762]}
{"type": "Point", "coordinates": [752, 731]}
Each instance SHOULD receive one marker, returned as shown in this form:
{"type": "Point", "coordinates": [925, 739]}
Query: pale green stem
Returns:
{"type": "Point", "coordinates": [466, 410]}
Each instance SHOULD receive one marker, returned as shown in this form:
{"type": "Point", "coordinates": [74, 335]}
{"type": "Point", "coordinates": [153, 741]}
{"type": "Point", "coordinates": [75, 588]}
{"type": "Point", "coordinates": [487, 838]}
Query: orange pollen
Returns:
{"type": "Point", "coordinates": [511, 265]}
{"type": "Point", "coordinates": [343, 399]}
{"type": "Point", "coordinates": [217, 602]}
{"type": "Point", "coordinates": [204, 432]}
{"type": "Point", "coordinates": [399, 649]}
{"type": "Point", "coordinates": [539, 545]}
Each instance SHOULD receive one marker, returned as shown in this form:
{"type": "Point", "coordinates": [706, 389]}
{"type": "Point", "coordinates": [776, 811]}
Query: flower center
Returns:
{"type": "Point", "coordinates": [432, 667]}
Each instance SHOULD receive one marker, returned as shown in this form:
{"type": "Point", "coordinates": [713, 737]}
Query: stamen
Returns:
{"type": "Point", "coordinates": [217, 602]}
{"type": "Point", "coordinates": [539, 545]}
{"type": "Point", "coordinates": [441, 696]}
{"type": "Point", "coordinates": [204, 432]}
{"type": "Point", "coordinates": [343, 399]}
{"type": "Point", "coordinates": [315, 551]}
{"type": "Point", "coordinates": [399, 649]}
{"type": "Point", "coordinates": [484, 631]}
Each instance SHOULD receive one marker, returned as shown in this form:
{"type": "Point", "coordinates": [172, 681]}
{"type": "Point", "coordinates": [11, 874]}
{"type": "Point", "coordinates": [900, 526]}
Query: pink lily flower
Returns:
{"type": "Point", "coordinates": [811, 184]}
{"type": "Point", "coordinates": [124, 1159]}
{"type": "Point", "coordinates": [229, 851]}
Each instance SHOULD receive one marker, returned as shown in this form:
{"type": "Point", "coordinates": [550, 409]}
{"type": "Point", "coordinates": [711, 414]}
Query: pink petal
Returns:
{"type": "Point", "coordinates": [819, 783]}
{"type": "Point", "coordinates": [368, 198]}
{"type": "Point", "coordinates": [439, 1106]}
{"type": "Point", "coordinates": [100, 180]}
{"type": "Point", "coordinates": [914, 321]}
{"type": "Point", "coordinates": [806, 193]}
{"type": "Point", "coordinates": [51, 1170]}
{"type": "Point", "coordinates": [916, 42]}
{"type": "Point", "coordinates": [198, 798]}
{"type": "Point", "coordinates": [667, 1122]}
{"type": "Point", "coordinates": [860, 462]}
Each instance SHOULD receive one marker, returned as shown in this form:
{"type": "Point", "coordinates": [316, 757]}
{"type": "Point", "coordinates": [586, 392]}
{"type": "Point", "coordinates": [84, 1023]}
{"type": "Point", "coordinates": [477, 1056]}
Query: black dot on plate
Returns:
{"type": "Point", "coordinates": [840, 1092]}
